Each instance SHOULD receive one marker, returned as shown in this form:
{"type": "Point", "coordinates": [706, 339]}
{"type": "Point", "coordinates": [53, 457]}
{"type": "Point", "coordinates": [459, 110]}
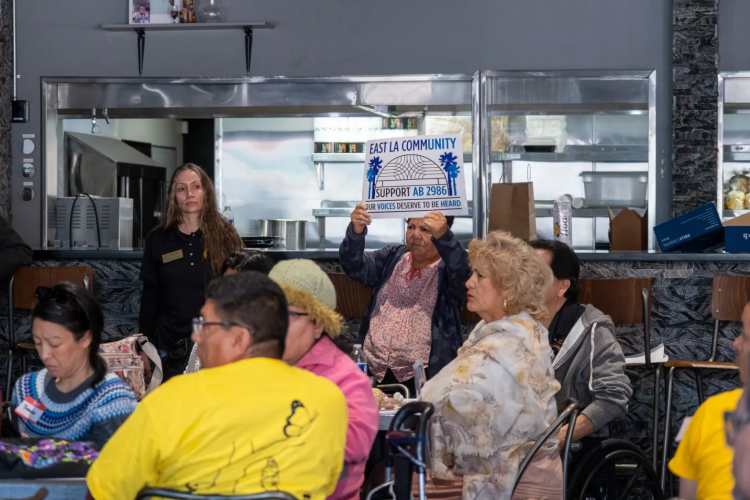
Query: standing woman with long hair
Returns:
{"type": "Point", "coordinates": [181, 257]}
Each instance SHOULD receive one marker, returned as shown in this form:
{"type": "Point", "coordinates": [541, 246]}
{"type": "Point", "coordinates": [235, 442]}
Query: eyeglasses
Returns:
{"type": "Point", "coordinates": [58, 295]}
{"type": "Point", "coordinates": [295, 314]}
{"type": "Point", "coordinates": [733, 424]}
{"type": "Point", "coordinates": [199, 324]}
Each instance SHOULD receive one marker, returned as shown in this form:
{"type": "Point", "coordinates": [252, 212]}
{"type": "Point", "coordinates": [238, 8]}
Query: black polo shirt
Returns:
{"type": "Point", "coordinates": [175, 272]}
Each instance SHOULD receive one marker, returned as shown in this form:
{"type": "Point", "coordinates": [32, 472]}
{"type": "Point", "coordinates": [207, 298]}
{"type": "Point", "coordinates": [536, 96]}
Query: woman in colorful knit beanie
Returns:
{"type": "Point", "coordinates": [313, 325]}
{"type": "Point", "coordinates": [73, 397]}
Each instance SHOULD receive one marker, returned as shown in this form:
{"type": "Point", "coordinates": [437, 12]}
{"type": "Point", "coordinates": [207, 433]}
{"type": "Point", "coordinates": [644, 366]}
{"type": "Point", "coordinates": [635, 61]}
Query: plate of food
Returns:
{"type": "Point", "coordinates": [389, 405]}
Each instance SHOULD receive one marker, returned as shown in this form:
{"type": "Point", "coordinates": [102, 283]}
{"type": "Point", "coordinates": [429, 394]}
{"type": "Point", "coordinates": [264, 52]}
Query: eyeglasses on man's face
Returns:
{"type": "Point", "coordinates": [734, 422]}
{"type": "Point", "coordinates": [199, 324]}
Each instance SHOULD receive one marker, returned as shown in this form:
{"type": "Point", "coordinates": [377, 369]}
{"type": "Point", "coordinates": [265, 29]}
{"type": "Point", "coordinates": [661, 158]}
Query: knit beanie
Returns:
{"type": "Point", "coordinates": [306, 286]}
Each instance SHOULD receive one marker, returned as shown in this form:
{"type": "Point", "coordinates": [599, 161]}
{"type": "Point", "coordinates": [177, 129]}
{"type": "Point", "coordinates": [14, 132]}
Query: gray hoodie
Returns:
{"type": "Point", "coordinates": [591, 369]}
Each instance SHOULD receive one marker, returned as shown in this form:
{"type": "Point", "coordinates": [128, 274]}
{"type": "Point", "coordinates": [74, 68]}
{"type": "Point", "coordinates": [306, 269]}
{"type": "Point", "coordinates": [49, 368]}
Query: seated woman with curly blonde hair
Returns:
{"type": "Point", "coordinates": [498, 396]}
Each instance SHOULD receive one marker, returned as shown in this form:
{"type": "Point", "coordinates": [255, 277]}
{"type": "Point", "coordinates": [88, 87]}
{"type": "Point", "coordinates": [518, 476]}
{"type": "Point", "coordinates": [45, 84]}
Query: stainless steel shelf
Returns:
{"type": "Point", "coordinates": [360, 157]}
{"type": "Point", "coordinates": [585, 157]}
{"type": "Point", "coordinates": [733, 213]}
{"type": "Point", "coordinates": [737, 157]}
{"type": "Point", "coordinates": [587, 212]}
{"type": "Point", "coordinates": [540, 212]}
{"type": "Point", "coordinates": [589, 156]}
{"type": "Point", "coordinates": [332, 212]}
{"type": "Point", "coordinates": [338, 157]}
{"type": "Point", "coordinates": [347, 212]}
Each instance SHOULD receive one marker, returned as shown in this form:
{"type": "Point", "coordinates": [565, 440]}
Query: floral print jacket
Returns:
{"type": "Point", "coordinates": [492, 402]}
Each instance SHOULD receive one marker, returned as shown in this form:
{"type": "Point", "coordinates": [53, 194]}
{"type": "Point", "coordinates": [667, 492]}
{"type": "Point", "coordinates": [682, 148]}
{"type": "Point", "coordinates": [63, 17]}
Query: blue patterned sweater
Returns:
{"type": "Point", "coordinates": [94, 414]}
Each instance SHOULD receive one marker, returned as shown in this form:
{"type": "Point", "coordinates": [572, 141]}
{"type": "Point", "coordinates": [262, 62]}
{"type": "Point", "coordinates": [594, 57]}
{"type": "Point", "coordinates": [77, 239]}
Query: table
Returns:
{"type": "Point", "coordinates": [385, 422]}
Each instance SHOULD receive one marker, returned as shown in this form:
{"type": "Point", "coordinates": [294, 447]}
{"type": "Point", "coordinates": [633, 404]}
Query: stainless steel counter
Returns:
{"type": "Point", "coordinates": [333, 254]}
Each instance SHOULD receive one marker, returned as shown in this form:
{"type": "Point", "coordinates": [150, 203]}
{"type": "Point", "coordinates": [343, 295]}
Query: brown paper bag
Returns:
{"type": "Point", "coordinates": [512, 209]}
{"type": "Point", "coordinates": [628, 231]}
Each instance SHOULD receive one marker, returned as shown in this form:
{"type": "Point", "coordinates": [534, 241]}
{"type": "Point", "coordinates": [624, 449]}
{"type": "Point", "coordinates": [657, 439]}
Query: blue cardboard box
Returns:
{"type": "Point", "coordinates": [694, 232]}
{"type": "Point", "coordinates": [737, 235]}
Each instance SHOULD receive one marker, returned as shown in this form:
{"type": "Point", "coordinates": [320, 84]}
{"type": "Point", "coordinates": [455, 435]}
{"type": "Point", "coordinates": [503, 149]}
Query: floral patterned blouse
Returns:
{"type": "Point", "coordinates": [401, 323]}
{"type": "Point", "coordinates": [492, 403]}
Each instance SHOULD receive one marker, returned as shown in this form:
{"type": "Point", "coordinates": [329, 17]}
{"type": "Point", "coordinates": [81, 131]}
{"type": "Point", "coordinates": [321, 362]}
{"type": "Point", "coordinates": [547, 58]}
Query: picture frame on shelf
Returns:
{"type": "Point", "coordinates": [139, 11]}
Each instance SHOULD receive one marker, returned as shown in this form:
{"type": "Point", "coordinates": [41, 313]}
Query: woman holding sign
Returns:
{"type": "Point", "coordinates": [73, 397]}
{"type": "Point", "coordinates": [181, 256]}
{"type": "Point", "coordinates": [418, 294]}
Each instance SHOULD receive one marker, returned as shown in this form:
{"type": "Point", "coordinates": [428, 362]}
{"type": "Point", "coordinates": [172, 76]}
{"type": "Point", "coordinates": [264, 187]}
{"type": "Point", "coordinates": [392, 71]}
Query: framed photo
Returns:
{"type": "Point", "coordinates": [140, 11]}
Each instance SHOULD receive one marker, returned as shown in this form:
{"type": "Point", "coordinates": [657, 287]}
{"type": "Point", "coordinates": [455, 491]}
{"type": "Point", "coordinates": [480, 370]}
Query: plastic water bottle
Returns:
{"type": "Point", "coordinates": [358, 355]}
{"type": "Point", "coordinates": [228, 215]}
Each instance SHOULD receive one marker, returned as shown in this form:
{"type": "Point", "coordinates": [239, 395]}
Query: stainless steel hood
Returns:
{"type": "Point", "coordinates": [94, 162]}
{"type": "Point", "coordinates": [107, 167]}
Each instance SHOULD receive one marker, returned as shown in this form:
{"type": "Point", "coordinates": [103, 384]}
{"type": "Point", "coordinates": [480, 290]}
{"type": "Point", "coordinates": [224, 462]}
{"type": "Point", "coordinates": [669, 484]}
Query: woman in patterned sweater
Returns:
{"type": "Point", "coordinates": [73, 397]}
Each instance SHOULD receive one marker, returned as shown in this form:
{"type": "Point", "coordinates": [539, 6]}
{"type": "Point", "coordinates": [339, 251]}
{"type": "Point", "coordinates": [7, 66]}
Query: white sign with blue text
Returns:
{"type": "Point", "coordinates": [411, 176]}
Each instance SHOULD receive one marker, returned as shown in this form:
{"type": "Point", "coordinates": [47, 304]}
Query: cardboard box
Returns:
{"type": "Point", "coordinates": [628, 231]}
{"type": "Point", "coordinates": [737, 234]}
{"type": "Point", "coordinates": [697, 231]}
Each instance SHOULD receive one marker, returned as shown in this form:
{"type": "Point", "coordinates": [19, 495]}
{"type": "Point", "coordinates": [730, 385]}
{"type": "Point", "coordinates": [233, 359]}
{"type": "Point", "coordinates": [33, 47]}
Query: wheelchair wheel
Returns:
{"type": "Point", "coordinates": [617, 470]}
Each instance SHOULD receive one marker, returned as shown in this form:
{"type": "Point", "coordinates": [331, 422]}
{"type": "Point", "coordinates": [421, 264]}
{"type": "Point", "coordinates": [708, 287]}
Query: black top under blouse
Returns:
{"type": "Point", "coordinates": [174, 285]}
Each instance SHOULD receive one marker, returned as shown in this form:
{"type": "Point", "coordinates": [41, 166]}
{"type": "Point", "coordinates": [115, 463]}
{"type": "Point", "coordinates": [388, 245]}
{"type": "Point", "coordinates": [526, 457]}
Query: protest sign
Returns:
{"type": "Point", "coordinates": [411, 176]}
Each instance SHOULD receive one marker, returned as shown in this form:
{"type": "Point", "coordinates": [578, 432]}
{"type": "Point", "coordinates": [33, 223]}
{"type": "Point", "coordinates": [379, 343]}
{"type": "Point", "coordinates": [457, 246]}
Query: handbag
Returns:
{"type": "Point", "coordinates": [124, 359]}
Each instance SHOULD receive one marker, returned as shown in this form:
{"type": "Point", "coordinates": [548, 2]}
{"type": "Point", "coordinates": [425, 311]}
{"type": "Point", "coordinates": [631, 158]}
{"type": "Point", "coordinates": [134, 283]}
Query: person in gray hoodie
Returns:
{"type": "Point", "coordinates": [588, 361]}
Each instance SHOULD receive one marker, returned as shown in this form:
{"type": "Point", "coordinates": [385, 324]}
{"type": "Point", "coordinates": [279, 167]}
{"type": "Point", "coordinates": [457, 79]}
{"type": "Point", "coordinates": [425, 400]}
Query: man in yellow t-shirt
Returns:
{"type": "Point", "coordinates": [246, 423]}
{"type": "Point", "coordinates": [703, 461]}
{"type": "Point", "coordinates": [739, 438]}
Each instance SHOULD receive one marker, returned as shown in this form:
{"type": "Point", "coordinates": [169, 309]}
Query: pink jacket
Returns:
{"type": "Point", "coordinates": [326, 360]}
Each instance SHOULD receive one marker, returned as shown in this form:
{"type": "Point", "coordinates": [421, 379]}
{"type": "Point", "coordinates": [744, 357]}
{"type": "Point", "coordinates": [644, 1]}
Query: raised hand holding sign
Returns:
{"type": "Point", "coordinates": [412, 176]}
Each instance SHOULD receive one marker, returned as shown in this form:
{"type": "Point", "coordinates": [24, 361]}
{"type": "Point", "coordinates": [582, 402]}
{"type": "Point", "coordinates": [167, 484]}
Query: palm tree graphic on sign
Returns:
{"type": "Point", "coordinates": [372, 173]}
{"type": "Point", "coordinates": [448, 162]}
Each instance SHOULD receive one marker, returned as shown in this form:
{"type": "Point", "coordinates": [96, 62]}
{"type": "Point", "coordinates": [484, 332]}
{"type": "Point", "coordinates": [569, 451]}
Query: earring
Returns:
{"type": "Point", "coordinates": [505, 304]}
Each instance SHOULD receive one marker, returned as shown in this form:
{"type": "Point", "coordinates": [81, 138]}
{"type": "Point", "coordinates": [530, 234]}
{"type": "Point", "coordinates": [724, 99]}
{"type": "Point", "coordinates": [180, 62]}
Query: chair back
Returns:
{"type": "Point", "coordinates": [620, 299]}
{"type": "Point", "coordinates": [26, 280]}
{"type": "Point", "coordinates": [352, 298]}
{"type": "Point", "coordinates": [406, 447]}
{"type": "Point", "coordinates": [729, 297]}
{"type": "Point", "coordinates": [181, 495]}
{"type": "Point", "coordinates": [626, 301]}
{"type": "Point", "coordinates": [567, 416]}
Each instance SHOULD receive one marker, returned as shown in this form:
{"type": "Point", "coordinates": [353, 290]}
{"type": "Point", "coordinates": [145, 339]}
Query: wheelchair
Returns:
{"type": "Point", "coordinates": [614, 470]}
{"type": "Point", "coordinates": [406, 452]}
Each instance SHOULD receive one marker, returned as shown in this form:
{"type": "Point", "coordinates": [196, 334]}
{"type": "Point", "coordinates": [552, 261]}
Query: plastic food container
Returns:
{"type": "Point", "coordinates": [615, 189]}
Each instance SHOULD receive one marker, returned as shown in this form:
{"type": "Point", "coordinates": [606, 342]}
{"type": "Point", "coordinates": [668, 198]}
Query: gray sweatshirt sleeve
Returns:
{"type": "Point", "coordinates": [611, 386]}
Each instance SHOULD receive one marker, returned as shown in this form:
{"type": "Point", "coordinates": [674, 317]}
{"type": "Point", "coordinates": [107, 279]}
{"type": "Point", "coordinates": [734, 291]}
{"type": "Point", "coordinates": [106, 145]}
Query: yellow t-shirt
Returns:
{"type": "Point", "coordinates": [248, 427]}
{"type": "Point", "coordinates": [703, 455]}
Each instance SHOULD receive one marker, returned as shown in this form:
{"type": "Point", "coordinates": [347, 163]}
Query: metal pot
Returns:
{"type": "Point", "coordinates": [291, 232]}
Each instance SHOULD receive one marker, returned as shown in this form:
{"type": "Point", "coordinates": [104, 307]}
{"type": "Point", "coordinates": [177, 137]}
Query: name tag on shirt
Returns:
{"type": "Point", "coordinates": [30, 409]}
{"type": "Point", "coordinates": [169, 257]}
